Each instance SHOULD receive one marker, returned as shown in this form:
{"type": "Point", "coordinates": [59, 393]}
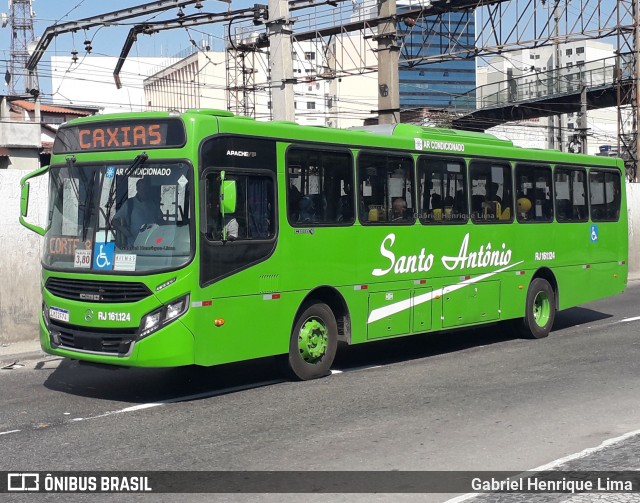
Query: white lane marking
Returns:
{"type": "Point", "coordinates": [7, 432]}
{"type": "Point", "coordinates": [626, 320]}
{"type": "Point", "coordinates": [397, 307]}
{"type": "Point", "coordinates": [354, 369]}
{"type": "Point", "coordinates": [196, 396]}
{"type": "Point", "coordinates": [554, 464]}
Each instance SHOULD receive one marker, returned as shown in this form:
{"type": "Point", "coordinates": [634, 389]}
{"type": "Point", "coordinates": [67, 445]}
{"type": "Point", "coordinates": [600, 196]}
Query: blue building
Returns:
{"type": "Point", "coordinates": [437, 85]}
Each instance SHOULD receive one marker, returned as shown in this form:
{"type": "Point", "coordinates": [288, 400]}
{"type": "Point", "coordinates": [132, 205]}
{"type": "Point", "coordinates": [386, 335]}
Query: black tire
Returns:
{"type": "Point", "coordinates": [540, 310]}
{"type": "Point", "coordinates": [313, 342]}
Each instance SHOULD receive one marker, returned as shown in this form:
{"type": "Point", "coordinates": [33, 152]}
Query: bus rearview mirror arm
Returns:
{"type": "Point", "coordinates": [24, 199]}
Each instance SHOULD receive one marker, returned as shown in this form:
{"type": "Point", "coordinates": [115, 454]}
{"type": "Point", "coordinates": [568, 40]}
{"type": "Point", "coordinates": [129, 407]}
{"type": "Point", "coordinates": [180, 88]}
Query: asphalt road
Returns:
{"type": "Point", "coordinates": [471, 400]}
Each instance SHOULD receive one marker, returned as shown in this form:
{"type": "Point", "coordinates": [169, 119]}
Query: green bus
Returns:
{"type": "Point", "coordinates": [206, 238]}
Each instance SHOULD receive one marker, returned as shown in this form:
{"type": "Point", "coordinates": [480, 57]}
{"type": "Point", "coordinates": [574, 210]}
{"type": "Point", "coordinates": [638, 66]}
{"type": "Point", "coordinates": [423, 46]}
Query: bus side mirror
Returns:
{"type": "Point", "coordinates": [228, 197]}
{"type": "Point", "coordinates": [24, 200]}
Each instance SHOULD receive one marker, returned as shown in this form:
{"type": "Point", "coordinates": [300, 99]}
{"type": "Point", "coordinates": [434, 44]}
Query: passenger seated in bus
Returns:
{"type": "Point", "coordinates": [306, 210]}
{"type": "Point", "coordinates": [524, 208]}
{"type": "Point", "coordinates": [492, 203]}
{"type": "Point", "coordinates": [448, 206]}
{"type": "Point", "coordinates": [398, 209]}
{"type": "Point", "coordinates": [436, 206]}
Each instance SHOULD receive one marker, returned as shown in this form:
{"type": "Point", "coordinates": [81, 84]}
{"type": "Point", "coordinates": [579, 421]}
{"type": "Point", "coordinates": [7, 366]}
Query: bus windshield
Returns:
{"type": "Point", "coordinates": [127, 218]}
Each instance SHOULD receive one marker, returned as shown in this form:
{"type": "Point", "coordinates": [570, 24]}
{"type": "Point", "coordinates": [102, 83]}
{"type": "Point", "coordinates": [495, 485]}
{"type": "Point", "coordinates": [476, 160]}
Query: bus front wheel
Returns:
{"type": "Point", "coordinates": [540, 310]}
{"type": "Point", "coordinates": [313, 343]}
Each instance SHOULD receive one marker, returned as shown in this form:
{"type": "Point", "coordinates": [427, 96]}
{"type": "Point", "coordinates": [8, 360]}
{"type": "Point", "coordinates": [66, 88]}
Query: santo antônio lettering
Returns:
{"type": "Point", "coordinates": [140, 135]}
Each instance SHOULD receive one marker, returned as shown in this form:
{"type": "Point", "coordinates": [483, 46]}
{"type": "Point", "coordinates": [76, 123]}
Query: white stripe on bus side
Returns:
{"type": "Point", "coordinates": [383, 312]}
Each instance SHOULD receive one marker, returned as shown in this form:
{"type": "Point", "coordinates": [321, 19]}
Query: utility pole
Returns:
{"type": "Point", "coordinates": [388, 60]}
{"type": "Point", "coordinates": [21, 25]}
{"type": "Point", "coordinates": [582, 120]}
{"type": "Point", "coordinates": [280, 61]}
{"type": "Point", "coordinates": [557, 54]}
{"type": "Point", "coordinates": [636, 83]}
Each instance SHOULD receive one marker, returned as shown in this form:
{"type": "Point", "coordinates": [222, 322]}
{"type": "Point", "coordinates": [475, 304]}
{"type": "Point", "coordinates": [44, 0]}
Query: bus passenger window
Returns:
{"type": "Point", "coordinates": [320, 185]}
{"type": "Point", "coordinates": [254, 218]}
{"type": "Point", "coordinates": [442, 190]}
{"type": "Point", "coordinates": [570, 188]}
{"type": "Point", "coordinates": [533, 185]}
{"type": "Point", "coordinates": [491, 193]}
{"type": "Point", "coordinates": [604, 190]}
{"type": "Point", "coordinates": [385, 188]}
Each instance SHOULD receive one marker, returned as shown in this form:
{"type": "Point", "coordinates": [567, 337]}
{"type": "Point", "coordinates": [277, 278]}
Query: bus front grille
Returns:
{"type": "Point", "coordinates": [112, 341]}
{"type": "Point", "coordinates": [97, 291]}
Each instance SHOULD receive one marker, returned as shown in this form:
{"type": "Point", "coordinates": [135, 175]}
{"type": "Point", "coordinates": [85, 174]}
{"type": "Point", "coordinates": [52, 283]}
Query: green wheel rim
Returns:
{"type": "Point", "coordinates": [313, 340]}
{"type": "Point", "coordinates": [541, 309]}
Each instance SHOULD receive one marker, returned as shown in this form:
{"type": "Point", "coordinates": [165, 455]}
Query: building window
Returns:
{"type": "Point", "coordinates": [269, 105]}
{"type": "Point", "coordinates": [311, 105]}
{"type": "Point", "coordinates": [310, 56]}
{"type": "Point", "coordinates": [579, 50]}
{"type": "Point", "coordinates": [569, 52]}
{"type": "Point", "coordinates": [537, 56]}
{"type": "Point", "coordinates": [579, 63]}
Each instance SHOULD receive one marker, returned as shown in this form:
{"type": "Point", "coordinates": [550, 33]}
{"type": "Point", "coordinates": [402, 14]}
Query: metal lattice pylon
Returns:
{"type": "Point", "coordinates": [21, 23]}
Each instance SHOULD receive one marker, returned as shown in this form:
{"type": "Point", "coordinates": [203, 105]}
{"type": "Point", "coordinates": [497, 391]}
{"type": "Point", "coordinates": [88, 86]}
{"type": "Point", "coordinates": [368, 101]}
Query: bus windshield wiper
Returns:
{"type": "Point", "coordinates": [137, 162]}
{"type": "Point", "coordinates": [88, 202]}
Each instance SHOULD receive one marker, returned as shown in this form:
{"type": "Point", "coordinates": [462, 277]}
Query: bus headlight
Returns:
{"type": "Point", "coordinates": [45, 314]}
{"type": "Point", "coordinates": [163, 316]}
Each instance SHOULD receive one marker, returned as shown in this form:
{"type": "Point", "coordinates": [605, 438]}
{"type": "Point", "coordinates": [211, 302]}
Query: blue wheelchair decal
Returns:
{"type": "Point", "coordinates": [594, 233]}
{"type": "Point", "coordinates": [103, 256]}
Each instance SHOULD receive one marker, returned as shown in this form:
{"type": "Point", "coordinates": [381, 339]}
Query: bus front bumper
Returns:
{"type": "Point", "coordinates": [171, 346]}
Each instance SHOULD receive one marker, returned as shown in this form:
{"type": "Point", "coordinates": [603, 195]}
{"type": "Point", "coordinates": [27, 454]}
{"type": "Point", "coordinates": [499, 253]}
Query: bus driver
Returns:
{"type": "Point", "coordinates": [138, 212]}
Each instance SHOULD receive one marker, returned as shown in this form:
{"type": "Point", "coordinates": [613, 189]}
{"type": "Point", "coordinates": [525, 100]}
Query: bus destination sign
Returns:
{"type": "Point", "coordinates": [120, 135]}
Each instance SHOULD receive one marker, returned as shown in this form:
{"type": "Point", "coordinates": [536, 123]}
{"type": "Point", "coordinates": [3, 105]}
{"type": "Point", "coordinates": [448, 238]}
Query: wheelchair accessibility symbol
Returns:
{"type": "Point", "coordinates": [594, 233]}
{"type": "Point", "coordinates": [103, 256]}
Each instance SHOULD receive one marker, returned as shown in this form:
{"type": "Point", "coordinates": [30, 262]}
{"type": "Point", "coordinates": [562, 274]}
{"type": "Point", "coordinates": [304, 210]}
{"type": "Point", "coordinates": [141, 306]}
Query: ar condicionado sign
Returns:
{"type": "Point", "coordinates": [120, 135]}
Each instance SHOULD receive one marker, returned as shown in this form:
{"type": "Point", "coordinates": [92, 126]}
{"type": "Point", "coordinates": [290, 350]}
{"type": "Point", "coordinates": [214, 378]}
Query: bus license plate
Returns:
{"type": "Point", "coordinates": [58, 314]}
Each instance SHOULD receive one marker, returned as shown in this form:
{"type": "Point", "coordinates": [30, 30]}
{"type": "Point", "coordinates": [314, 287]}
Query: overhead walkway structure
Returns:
{"type": "Point", "coordinates": [598, 84]}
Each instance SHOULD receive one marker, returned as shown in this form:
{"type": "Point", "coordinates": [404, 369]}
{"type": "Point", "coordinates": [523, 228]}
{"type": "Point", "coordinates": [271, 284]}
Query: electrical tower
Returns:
{"type": "Point", "coordinates": [21, 25]}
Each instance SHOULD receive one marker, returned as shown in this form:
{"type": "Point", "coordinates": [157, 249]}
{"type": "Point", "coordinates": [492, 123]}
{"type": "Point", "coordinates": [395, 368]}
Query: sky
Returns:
{"type": "Point", "coordinates": [108, 40]}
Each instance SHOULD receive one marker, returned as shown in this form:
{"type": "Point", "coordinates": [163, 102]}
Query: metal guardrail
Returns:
{"type": "Point", "coordinates": [532, 85]}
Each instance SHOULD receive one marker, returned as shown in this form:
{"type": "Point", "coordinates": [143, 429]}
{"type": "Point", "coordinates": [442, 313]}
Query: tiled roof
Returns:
{"type": "Point", "coordinates": [30, 106]}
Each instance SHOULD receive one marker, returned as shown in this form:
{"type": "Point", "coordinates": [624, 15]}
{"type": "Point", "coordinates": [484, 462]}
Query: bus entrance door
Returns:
{"type": "Point", "coordinates": [474, 303]}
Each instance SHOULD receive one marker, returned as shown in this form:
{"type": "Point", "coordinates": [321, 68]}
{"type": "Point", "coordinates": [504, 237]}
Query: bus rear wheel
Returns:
{"type": "Point", "coordinates": [540, 310]}
{"type": "Point", "coordinates": [313, 343]}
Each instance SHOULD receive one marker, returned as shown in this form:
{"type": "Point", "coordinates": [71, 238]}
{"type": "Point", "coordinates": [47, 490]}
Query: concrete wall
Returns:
{"type": "Point", "coordinates": [20, 258]}
{"type": "Point", "coordinates": [20, 251]}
